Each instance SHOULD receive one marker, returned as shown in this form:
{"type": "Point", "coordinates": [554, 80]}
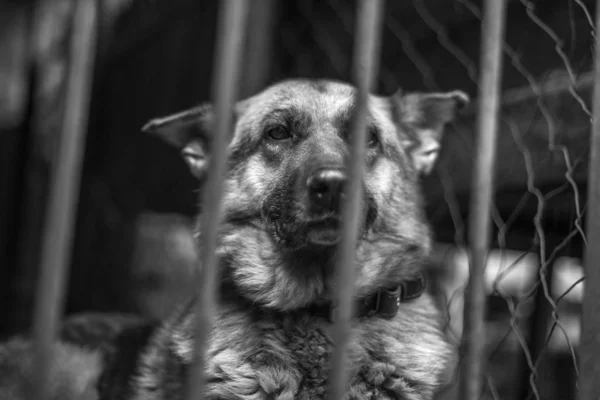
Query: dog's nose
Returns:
{"type": "Point", "coordinates": [325, 187]}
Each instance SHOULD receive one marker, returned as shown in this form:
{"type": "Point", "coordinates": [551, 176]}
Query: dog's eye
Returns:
{"type": "Point", "coordinates": [279, 133]}
{"type": "Point", "coordinates": [373, 137]}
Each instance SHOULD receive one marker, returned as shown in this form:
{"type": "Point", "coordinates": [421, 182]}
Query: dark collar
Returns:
{"type": "Point", "coordinates": [384, 303]}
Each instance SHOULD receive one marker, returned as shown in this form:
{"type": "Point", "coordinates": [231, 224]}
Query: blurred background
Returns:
{"type": "Point", "coordinates": [133, 250]}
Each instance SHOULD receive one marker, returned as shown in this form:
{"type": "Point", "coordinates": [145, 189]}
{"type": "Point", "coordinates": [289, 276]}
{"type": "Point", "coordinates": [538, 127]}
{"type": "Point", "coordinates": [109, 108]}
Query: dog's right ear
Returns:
{"type": "Point", "coordinates": [190, 132]}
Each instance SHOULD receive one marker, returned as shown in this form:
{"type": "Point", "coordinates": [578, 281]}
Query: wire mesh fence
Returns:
{"type": "Point", "coordinates": [533, 278]}
{"type": "Point", "coordinates": [534, 272]}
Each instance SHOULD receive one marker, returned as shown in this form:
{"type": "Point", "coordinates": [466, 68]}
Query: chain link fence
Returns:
{"type": "Point", "coordinates": [534, 276]}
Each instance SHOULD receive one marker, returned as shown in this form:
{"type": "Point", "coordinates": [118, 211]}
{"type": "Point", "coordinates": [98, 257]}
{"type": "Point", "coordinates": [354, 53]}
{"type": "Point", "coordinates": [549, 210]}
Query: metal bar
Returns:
{"type": "Point", "coordinates": [64, 192]}
{"type": "Point", "coordinates": [227, 67]}
{"type": "Point", "coordinates": [589, 384]}
{"type": "Point", "coordinates": [483, 181]}
{"type": "Point", "coordinates": [365, 66]}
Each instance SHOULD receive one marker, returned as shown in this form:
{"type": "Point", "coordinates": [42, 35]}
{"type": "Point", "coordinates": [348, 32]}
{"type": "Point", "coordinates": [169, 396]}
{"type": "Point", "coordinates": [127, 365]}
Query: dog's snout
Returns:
{"type": "Point", "coordinates": [325, 187]}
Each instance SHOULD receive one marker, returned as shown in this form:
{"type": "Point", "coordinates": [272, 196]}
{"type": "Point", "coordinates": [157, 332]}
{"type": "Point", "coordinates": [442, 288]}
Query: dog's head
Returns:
{"type": "Point", "coordinates": [288, 172]}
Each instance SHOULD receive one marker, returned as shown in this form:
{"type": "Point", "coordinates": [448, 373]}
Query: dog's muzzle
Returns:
{"type": "Point", "coordinates": [310, 213]}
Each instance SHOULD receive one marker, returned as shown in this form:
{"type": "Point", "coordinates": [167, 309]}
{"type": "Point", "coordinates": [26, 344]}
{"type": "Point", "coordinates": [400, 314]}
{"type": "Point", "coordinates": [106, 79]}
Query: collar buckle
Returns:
{"type": "Point", "coordinates": [386, 301]}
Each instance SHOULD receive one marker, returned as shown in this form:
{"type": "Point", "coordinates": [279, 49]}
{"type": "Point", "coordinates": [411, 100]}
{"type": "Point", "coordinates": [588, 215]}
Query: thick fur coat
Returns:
{"type": "Point", "coordinates": [277, 262]}
{"type": "Point", "coordinates": [277, 249]}
{"type": "Point", "coordinates": [263, 355]}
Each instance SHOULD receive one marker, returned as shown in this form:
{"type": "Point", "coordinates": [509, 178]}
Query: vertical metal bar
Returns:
{"type": "Point", "coordinates": [482, 189]}
{"type": "Point", "coordinates": [230, 39]}
{"type": "Point", "coordinates": [365, 65]}
{"type": "Point", "coordinates": [64, 191]}
{"type": "Point", "coordinates": [589, 373]}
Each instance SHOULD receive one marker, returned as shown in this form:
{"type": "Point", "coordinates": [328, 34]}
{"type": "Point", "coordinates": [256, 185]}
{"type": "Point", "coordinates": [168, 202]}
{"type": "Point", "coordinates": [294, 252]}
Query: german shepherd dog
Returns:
{"type": "Point", "coordinates": [277, 249]}
{"type": "Point", "coordinates": [287, 158]}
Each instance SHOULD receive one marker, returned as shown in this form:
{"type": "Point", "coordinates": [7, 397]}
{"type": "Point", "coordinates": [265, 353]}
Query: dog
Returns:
{"type": "Point", "coordinates": [277, 248]}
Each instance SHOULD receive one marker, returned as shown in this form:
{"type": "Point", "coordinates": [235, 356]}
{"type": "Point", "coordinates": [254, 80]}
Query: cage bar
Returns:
{"type": "Point", "coordinates": [482, 190]}
{"type": "Point", "coordinates": [589, 384]}
{"type": "Point", "coordinates": [230, 38]}
{"type": "Point", "coordinates": [365, 66]}
{"type": "Point", "coordinates": [64, 191]}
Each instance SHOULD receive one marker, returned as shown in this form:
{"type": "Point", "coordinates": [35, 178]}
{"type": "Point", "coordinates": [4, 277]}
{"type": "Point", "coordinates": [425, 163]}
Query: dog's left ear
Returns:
{"type": "Point", "coordinates": [188, 131]}
{"type": "Point", "coordinates": [423, 117]}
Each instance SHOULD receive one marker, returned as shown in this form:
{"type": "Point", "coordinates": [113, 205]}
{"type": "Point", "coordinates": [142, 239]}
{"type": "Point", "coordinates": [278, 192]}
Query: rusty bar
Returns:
{"type": "Point", "coordinates": [64, 191]}
{"type": "Point", "coordinates": [230, 38]}
{"type": "Point", "coordinates": [589, 372]}
{"type": "Point", "coordinates": [365, 65]}
{"type": "Point", "coordinates": [483, 181]}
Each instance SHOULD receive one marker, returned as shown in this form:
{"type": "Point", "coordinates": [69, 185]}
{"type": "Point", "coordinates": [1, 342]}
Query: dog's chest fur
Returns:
{"type": "Point", "coordinates": [287, 356]}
